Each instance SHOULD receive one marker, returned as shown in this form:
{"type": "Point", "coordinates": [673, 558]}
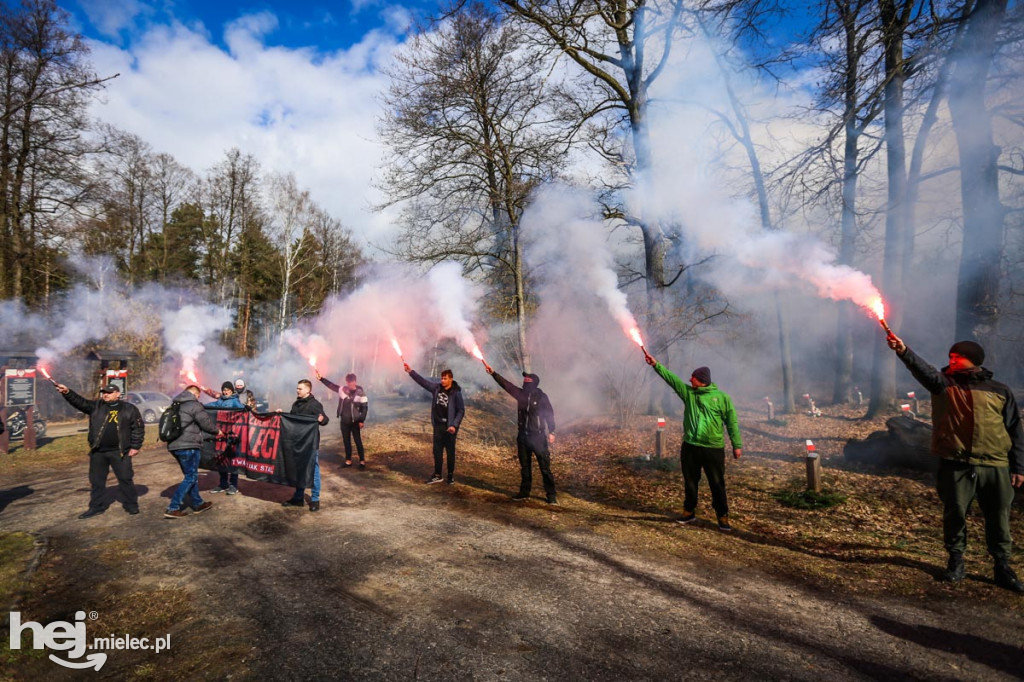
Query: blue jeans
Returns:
{"type": "Point", "coordinates": [314, 492]}
{"type": "Point", "coordinates": [188, 460]}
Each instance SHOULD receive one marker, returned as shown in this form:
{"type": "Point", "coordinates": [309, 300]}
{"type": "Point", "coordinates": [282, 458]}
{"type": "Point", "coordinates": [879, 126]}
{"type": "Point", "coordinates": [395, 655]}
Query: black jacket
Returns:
{"type": "Point", "coordinates": [456, 405]}
{"type": "Point", "coordinates": [131, 430]}
{"type": "Point", "coordinates": [353, 406]}
{"type": "Point", "coordinates": [310, 407]}
{"type": "Point", "coordinates": [535, 412]}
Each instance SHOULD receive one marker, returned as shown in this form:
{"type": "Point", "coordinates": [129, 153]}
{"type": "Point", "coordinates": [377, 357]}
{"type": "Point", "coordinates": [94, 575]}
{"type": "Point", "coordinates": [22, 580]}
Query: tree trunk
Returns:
{"type": "Point", "coordinates": [883, 385]}
{"type": "Point", "coordinates": [984, 214]}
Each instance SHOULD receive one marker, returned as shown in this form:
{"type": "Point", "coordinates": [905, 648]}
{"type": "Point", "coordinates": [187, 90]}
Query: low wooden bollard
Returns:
{"type": "Point", "coordinates": [659, 439]}
{"type": "Point", "coordinates": [813, 468]}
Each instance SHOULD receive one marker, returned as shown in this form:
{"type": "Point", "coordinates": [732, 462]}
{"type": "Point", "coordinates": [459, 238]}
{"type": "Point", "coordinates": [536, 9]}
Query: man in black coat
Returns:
{"type": "Point", "coordinates": [536, 432]}
{"type": "Point", "coordinates": [446, 413]}
{"type": "Point", "coordinates": [306, 404]}
{"type": "Point", "coordinates": [116, 432]}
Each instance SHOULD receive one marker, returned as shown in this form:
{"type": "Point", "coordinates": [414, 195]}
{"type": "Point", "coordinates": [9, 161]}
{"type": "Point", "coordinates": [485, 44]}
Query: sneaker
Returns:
{"type": "Point", "coordinates": [723, 523]}
{"type": "Point", "coordinates": [688, 517]}
{"type": "Point", "coordinates": [450, 480]}
{"type": "Point", "coordinates": [314, 506]}
{"type": "Point", "coordinates": [347, 463]}
{"type": "Point", "coordinates": [436, 478]}
{"type": "Point", "coordinates": [203, 507]}
{"type": "Point", "coordinates": [362, 465]}
{"type": "Point", "coordinates": [521, 496]}
{"type": "Point", "coordinates": [132, 511]}
{"type": "Point", "coordinates": [293, 503]}
{"type": "Point", "coordinates": [218, 489]}
{"type": "Point", "coordinates": [954, 572]}
{"type": "Point", "coordinates": [89, 513]}
{"type": "Point", "coordinates": [1006, 578]}
{"type": "Point", "coordinates": [176, 513]}
{"type": "Point", "coordinates": [553, 501]}
{"type": "Point", "coordinates": [232, 490]}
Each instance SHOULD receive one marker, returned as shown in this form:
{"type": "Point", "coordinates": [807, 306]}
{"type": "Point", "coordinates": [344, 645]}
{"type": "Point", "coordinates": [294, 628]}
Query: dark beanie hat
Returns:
{"type": "Point", "coordinates": [970, 350]}
{"type": "Point", "coordinates": [228, 385]}
{"type": "Point", "coordinates": [702, 374]}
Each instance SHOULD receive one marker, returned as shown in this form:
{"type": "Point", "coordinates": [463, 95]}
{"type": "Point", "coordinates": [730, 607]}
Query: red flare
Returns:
{"type": "Point", "coordinates": [398, 350]}
{"type": "Point", "coordinates": [477, 353]}
{"type": "Point", "coordinates": [42, 370]}
{"type": "Point", "coordinates": [312, 361]}
{"type": "Point", "coordinates": [191, 375]}
{"type": "Point", "coordinates": [877, 307]}
{"type": "Point", "coordinates": [634, 334]}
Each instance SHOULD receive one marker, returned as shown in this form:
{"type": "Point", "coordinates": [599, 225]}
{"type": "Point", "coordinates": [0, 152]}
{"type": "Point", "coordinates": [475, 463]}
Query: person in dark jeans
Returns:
{"type": "Point", "coordinates": [446, 413]}
{"type": "Point", "coordinates": [536, 420]}
{"type": "Point", "coordinates": [187, 449]}
{"type": "Point", "coordinates": [978, 439]}
{"type": "Point", "coordinates": [707, 410]}
{"type": "Point", "coordinates": [353, 407]}
{"type": "Point", "coordinates": [116, 433]}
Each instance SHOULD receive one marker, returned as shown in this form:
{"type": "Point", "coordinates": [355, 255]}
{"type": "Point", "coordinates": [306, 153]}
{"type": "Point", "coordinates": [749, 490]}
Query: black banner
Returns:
{"type": "Point", "coordinates": [276, 448]}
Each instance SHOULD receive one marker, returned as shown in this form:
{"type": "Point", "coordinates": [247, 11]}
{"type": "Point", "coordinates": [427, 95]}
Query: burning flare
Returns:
{"type": "Point", "coordinates": [46, 375]}
{"type": "Point", "coordinates": [394, 344]}
{"type": "Point", "coordinates": [312, 361]}
{"type": "Point", "coordinates": [634, 334]}
{"type": "Point", "coordinates": [877, 308]}
{"type": "Point", "coordinates": [477, 353]}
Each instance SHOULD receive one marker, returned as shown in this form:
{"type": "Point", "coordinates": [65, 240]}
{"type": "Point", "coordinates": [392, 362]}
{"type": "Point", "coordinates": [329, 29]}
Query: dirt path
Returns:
{"type": "Point", "coordinates": [396, 580]}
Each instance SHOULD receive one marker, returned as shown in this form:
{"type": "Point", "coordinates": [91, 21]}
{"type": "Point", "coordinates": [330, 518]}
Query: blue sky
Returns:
{"type": "Point", "coordinates": [322, 26]}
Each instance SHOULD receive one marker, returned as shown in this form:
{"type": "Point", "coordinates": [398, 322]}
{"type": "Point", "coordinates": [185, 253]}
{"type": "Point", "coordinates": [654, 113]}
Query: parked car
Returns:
{"type": "Point", "coordinates": [151, 404]}
{"type": "Point", "coordinates": [16, 424]}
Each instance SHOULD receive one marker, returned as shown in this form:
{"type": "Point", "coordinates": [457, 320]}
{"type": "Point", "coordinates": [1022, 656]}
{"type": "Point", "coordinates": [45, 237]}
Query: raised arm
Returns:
{"type": "Point", "coordinates": [678, 385]}
{"type": "Point", "coordinates": [76, 401]}
{"type": "Point", "coordinates": [509, 387]}
{"type": "Point", "coordinates": [427, 384]}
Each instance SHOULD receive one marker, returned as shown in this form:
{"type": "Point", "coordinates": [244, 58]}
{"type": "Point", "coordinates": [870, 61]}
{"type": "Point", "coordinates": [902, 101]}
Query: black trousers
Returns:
{"type": "Point", "coordinates": [100, 464]}
{"type": "Point", "coordinates": [531, 446]}
{"type": "Point", "coordinates": [444, 442]}
{"type": "Point", "coordinates": [711, 461]}
{"type": "Point", "coordinates": [349, 432]}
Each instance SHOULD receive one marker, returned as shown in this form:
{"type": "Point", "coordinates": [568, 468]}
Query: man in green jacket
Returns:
{"type": "Point", "coordinates": [976, 433]}
{"type": "Point", "coordinates": [707, 410]}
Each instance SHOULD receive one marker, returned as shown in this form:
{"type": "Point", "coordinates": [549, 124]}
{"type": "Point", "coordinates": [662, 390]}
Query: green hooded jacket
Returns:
{"type": "Point", "coordinates": [707, 409]}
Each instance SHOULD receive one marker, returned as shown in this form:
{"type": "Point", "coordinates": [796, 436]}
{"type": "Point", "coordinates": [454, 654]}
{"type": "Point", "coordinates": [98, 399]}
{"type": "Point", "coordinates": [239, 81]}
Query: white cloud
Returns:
{"type": "Point", "coordinates": [296, 110]}
{"type": "Point", "coordinates": [112, 17]}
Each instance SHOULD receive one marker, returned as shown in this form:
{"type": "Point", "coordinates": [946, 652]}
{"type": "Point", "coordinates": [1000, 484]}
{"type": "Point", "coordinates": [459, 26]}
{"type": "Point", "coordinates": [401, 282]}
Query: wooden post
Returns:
{"type": "Point", "coordinates": [659, 445]}
{"type": "Point", "coordinates": [5, 437]}
{"type": "Point", "coordinates": [29, 443]}
{"type": "Point", "coordinates": [813, 468]}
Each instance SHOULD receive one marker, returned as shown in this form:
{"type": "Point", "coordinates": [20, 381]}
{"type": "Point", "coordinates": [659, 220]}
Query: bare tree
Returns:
{"type": "Point", "coordinates": [291, 213]}
{"type": "Point", "coordinates": [984, 213]}
{"type": "Point", "coordinates": [471, 132]}
{"type": "Point", "coordinates": [622, 47]}
{"type": "Point", "coordinates": [45, 84]}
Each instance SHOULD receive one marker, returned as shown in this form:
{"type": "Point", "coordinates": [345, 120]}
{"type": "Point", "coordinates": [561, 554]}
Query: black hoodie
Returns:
{"type": "Point", "coordinates": [535, 411]}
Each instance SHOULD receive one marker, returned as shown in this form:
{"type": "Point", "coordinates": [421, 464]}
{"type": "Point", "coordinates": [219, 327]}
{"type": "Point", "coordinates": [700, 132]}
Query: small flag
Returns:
{"type": "Point", "coordinates": [810, 446]}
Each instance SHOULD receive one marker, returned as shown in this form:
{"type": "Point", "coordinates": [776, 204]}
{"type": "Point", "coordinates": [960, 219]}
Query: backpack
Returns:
{"type": "Point", "coordinates": [170, 423]}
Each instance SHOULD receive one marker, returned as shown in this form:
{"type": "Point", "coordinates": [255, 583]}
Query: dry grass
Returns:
{"type": "Point", "coordinates": [884, 538]}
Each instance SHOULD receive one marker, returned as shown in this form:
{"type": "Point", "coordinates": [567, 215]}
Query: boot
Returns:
{"type": "Point", "coordinates": [1005, 577]}
{"type": "Point", "coordinates": [954, 572]}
